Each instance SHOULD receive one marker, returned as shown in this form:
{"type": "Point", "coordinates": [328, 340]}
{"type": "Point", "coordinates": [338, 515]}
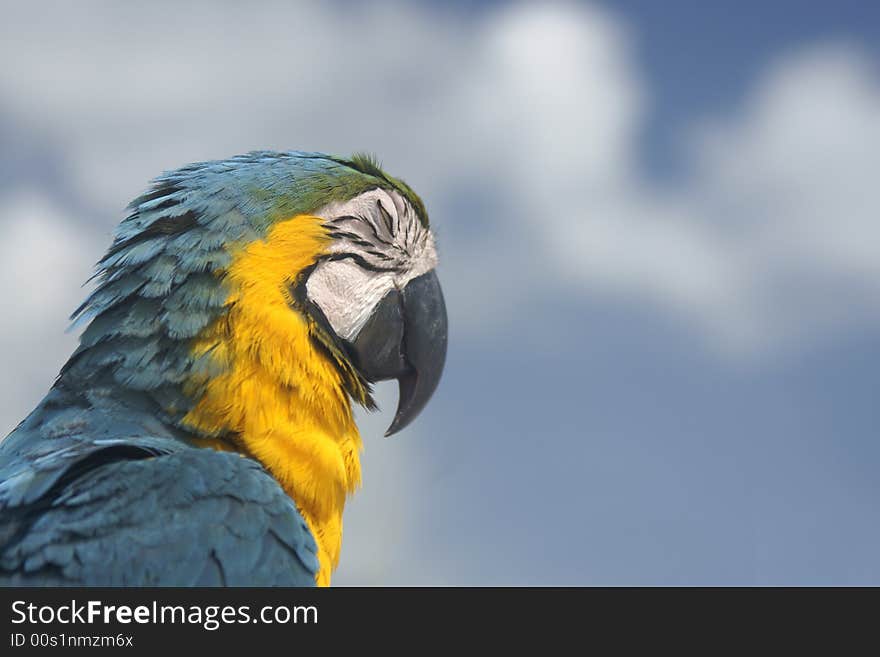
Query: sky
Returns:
{"type": "Point", "coordinates": [657, 226]}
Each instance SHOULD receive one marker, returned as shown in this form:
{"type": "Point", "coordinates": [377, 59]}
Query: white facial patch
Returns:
{"type": "Point", "coordinates": [379, 244]}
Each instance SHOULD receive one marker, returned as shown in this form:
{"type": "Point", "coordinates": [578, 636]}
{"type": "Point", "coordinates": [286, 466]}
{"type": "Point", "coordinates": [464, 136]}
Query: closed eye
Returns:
{"type": "Point", "coordinates": [363, 262]}
{"type": "Point", "coordinates": [360, 222]}
{"type": "Point", "coordinates": [386, 217]}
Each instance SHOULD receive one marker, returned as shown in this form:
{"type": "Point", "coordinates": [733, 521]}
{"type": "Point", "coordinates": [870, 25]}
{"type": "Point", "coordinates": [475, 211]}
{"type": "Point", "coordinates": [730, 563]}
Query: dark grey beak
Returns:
{"type": "Point", "coordinates": [405, 339]}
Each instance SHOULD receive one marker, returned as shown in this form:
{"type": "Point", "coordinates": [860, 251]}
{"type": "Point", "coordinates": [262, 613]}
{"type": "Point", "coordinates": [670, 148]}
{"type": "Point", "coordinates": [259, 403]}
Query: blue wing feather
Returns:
{"type": "Point", "coordinates": [90, 499]}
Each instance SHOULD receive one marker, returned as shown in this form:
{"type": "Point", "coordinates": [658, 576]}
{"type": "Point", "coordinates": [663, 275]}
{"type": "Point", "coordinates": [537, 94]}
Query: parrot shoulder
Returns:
{"type": "Point", "coordinates": [82, 508]}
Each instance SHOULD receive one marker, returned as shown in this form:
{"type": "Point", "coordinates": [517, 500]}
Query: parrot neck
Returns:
{"type": "Point", "coordinates": [279, 394]}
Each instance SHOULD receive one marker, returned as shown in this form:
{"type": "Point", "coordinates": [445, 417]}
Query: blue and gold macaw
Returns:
{"type": "Point", "coordinates": [202, 432]}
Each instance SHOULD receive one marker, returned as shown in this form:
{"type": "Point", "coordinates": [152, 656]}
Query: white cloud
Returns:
{"type": "Point", "coordinates": [134, 93]}
{"type": "Point", "coordinates": [773, 241]}
{"type": "Point", "coordinates": [787, 189]}
{"type": "Point", "coordinates": [551, 91]}
{"type": "Point", "coordinates": [43, 263]}
{"type": "Point", "coordinates": [540, 104]}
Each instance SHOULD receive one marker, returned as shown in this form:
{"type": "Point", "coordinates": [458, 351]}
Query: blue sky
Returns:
{"type": "Point", "coordinates": [659, 247]}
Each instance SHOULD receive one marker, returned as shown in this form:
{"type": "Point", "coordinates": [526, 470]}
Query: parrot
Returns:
{"type": "Point", "coordinates": [202, 432]}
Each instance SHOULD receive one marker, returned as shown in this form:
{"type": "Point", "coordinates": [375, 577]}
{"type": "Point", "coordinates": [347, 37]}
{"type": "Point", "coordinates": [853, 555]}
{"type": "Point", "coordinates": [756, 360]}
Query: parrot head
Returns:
{"type": "Point", "coordinates": [249, 301]}
{"type": "Point", "coordinates": [375, 292]}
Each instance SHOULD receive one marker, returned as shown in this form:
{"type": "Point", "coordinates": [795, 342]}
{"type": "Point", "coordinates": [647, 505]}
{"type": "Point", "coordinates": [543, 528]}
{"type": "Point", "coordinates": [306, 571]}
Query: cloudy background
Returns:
{"type": "Point", "coordinates": [660, 247]}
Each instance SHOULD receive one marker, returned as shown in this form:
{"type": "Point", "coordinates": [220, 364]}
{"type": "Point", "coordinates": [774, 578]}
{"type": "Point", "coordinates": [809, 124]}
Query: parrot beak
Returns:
{"type": "Point", "coordinates": [405, 339]}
